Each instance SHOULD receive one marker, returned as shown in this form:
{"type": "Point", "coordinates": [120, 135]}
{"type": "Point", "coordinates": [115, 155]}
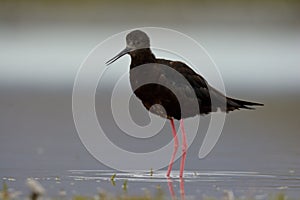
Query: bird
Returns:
{"type": "Point", "coordinates": [161, 100]}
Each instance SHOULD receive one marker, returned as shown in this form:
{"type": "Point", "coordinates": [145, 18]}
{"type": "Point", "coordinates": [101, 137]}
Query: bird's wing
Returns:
{"type": "Point", "coordinates": [194, 79]}
{"type": "Point", "coordinates": [204, 92]}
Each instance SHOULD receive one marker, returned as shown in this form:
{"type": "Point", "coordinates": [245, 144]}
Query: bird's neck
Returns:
{"type": "Point", "coordinates": [141, 56]}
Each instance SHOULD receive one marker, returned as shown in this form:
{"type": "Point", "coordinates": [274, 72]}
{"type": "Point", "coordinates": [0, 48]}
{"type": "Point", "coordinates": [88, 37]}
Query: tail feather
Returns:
{"type": "Point", "coordinates": [233, 104]}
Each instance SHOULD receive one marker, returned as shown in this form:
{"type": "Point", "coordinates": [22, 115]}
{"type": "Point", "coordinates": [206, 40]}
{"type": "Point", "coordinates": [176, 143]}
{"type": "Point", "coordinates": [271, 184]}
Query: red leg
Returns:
{"type": "Point", "coordinates": [182, 193]}
{"type": "Point", "coordinates": [171, 189]}
{"type": "Point", "coordinates": [175, 147]}
{"type": "Point", "coordinates": [184, 148]}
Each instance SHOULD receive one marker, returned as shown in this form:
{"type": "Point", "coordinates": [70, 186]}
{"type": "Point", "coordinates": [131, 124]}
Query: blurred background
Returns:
{"type": "Point", "coordinates": [255, 44]}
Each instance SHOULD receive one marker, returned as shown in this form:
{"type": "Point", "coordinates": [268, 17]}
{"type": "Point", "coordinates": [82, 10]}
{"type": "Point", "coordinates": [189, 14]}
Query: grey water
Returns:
{"type": "Point", "coordinates": [257, 154]}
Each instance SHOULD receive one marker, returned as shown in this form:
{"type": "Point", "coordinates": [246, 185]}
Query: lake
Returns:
{"type": "Point", "coordinates": [257, 154]}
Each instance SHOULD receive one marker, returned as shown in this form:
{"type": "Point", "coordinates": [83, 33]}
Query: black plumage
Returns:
{"type": "Point", "coordinates": [172, 90]}
{"type": "Point", "coordinates": [138, 47]}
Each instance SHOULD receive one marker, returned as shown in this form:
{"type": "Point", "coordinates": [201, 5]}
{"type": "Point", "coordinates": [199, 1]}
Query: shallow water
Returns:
{"type": "Point", "coordinates": [194, 185]}
{"type": "Point", "coordinates": [257, 154]}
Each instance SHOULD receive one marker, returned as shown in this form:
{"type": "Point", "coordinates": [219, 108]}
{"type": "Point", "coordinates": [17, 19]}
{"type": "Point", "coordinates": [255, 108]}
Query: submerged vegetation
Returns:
{"type": "Point", "coordinates": [38, 192]}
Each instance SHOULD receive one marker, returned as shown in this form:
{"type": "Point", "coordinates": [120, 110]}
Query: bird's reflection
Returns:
{"type": "Point", "coordinates": [181, 187]}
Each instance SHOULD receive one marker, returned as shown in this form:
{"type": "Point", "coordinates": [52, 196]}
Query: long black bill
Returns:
{"type": "Point", "coordinates": [122, 53]}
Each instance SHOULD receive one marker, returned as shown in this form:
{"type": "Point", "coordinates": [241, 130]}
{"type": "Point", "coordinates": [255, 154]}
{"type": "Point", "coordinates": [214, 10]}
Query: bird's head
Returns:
{"type": "Point", "coordinates": [134, 40]}
{"type": "Point", "coordinates": [137, 40]}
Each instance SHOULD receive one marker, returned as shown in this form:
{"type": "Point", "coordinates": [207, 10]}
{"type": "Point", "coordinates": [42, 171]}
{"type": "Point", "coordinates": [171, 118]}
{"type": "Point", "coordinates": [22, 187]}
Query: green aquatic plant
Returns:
{"type": "Point", "coordinates": [151, 172]}
{"type": "Point", "coordinates": [37, 190]}
{"type": "Point", "coordinates": [279, 196]}
{"type": "Point", "coordinates": [124, 186]}
{"type": "Point", "coordinates": [4, 193]}
{"type": "Point", "coordinates": [112, 179]}
{"type": "Point", "coordinates": [79, 197]}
